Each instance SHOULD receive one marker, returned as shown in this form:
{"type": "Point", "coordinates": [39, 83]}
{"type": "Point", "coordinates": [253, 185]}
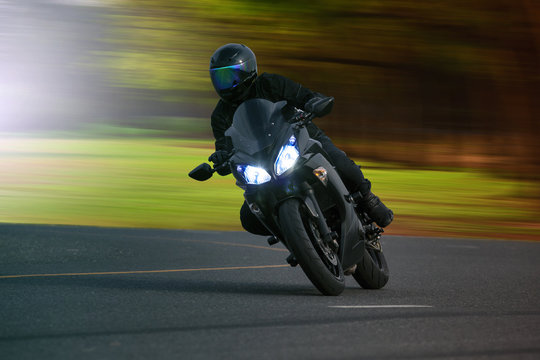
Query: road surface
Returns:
{"type": "Point", "coordinates": [101, 293]}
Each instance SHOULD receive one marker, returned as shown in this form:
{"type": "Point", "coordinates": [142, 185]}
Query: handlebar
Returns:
{"type": "Point", "coordinates": [223, 165]}
{"type": "Point", "coordinates": [303, 118]}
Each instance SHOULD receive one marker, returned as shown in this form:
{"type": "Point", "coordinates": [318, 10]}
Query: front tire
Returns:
{"type": "Point", "coordinates": [319, 263]}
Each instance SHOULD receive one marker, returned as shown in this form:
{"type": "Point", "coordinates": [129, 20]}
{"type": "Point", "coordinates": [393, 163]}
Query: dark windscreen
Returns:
{"type": "Point", "coordinates": [256, 125]}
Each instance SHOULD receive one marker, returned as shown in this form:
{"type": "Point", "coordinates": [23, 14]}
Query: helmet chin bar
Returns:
{"type": "Point", "coordinates": [239, 93]}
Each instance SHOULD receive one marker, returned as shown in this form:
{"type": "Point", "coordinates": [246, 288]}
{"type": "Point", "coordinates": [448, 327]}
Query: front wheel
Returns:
{"type": "Point", "coordinates": [318, 261]}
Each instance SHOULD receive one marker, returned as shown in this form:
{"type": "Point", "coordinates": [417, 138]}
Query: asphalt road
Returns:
{"type": "Point", "coordinates": [98, 293]}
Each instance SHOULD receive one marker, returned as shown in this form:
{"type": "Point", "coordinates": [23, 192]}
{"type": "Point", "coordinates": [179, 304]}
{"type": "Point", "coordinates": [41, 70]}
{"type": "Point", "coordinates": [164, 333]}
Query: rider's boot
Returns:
{"type": "Point", "coordinates": [376, 210]}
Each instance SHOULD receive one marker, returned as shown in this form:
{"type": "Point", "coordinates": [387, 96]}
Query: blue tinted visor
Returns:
{"type": "Point", "coordinates": [230, 76]}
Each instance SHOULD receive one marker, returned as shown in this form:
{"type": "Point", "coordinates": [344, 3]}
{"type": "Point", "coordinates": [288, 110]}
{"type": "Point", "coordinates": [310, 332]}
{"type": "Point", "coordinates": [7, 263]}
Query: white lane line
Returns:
{"type": "Point", "coordinates": [378, 306]}
{"type": "Point", "coordinates": [463, 246]}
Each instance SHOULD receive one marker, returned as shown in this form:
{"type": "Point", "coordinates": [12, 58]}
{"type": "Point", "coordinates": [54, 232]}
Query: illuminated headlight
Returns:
{"type": "Point", "coordinates": [253, 175]}
{"type": "Point", "coordinates": [287, 156]}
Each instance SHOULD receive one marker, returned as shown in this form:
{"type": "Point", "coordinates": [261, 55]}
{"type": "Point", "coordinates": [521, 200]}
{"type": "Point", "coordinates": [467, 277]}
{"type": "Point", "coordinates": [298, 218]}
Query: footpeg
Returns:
{"type": "Point", "coordinates": [356, 197]}
{"type": "Point", "coordinates": [292, 260]}
{"type": "Point", "coordinates": [272, 240]}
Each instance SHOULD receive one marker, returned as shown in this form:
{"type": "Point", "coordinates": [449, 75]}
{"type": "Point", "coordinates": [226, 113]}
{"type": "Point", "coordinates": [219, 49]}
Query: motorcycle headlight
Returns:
{"type": "Point", "coordinates": [253, 174]}
{"type": "Point", "coordinates": [287, 156]}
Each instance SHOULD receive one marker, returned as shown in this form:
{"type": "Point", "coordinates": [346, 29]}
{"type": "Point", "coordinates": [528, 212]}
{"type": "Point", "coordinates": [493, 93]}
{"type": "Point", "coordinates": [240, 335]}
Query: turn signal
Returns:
{"type": "Point", "coordinates": [321, 173]}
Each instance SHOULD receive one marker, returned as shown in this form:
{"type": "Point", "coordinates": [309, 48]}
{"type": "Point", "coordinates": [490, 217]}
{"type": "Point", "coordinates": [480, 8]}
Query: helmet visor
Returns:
{"type": "Point", "coordinates": [230, 76]}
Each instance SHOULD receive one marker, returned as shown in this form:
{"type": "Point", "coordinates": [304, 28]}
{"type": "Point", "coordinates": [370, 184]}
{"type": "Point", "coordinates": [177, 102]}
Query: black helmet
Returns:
{"type": "Point", "coordinates": [233, 68]}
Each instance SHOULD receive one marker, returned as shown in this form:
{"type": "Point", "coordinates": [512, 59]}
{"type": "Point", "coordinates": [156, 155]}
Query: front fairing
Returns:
{"type": "Point", "coordinates": [257, 124]}
{"type": "Point", "coordinates": [259, 130]}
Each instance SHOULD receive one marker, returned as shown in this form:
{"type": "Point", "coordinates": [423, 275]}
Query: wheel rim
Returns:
{"type": "Point", "coordinates": [328, 257]}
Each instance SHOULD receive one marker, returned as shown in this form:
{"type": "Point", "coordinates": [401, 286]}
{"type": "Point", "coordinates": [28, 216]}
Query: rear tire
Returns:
{"type": "Point", "coordinates": [318, 262]}
{"type": "Point", "coordinates": [372, 272]}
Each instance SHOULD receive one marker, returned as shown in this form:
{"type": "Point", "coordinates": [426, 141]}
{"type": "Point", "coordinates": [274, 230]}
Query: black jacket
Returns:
{"type": "Point", "coordinates": [272, 87]}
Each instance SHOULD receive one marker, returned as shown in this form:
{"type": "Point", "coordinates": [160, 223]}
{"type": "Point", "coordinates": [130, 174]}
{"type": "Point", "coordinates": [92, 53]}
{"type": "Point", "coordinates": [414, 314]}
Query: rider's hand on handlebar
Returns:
{"type": "Point", "coordinates": [219, 157]}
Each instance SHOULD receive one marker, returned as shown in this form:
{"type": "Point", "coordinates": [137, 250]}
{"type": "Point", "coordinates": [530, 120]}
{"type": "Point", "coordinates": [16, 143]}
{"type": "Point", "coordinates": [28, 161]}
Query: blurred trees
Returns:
{"type": "Point", "coordinates": [438, 83]}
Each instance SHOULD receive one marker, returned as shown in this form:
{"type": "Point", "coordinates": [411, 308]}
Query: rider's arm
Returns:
{"type": "Point", "coordinates": [220, 123]}
{"type": "Point", "coordinates": [277, 88]}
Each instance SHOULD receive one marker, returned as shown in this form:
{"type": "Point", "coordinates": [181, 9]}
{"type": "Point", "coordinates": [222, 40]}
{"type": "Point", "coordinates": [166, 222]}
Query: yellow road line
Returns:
{"type": "Point", "coordinates": [233, 244]}
{"type": "Point", "coordinates": [144, 271]}
{"type": "Point", "coordinates": [141, 237]}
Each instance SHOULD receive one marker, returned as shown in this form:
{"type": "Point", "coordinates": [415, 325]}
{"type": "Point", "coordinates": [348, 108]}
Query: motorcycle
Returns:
{"type": "Point", "coordinates": [292, 187]}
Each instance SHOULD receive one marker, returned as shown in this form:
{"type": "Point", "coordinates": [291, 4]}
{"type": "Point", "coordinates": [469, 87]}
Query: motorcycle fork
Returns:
{"type": "Point", "coordinates": [328, 236]}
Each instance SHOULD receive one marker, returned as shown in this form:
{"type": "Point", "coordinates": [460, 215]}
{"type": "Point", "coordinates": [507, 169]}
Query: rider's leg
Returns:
{"type": "Point", "coordinates": [356, 182]}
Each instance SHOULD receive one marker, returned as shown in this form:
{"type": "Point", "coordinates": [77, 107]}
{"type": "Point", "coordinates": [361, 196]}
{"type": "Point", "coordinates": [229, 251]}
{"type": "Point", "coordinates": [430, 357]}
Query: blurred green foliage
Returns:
{"type": "Point", "coordinates": [406, 71]}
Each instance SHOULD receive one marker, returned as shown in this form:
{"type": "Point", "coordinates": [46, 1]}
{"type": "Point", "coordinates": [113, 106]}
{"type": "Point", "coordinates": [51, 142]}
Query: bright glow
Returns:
{"type": "Point", "coordinates": [287, 157]}
{"type": "Point", "coordinates": [47, 67]}
{"type": "Point", "coordinates": [253, 175]}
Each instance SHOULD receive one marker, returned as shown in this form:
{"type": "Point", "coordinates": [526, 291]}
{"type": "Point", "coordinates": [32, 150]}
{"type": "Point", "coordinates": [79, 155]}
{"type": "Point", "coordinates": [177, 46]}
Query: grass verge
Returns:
{"type": "Point", "coordinates": [144, 183]}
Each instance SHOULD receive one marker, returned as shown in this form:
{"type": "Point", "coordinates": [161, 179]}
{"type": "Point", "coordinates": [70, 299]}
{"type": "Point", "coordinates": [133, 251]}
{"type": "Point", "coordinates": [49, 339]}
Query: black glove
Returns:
{"type": "Point", "coordinates": [319, 106]}
{"type": "Point", "coordinates": [219, 157]}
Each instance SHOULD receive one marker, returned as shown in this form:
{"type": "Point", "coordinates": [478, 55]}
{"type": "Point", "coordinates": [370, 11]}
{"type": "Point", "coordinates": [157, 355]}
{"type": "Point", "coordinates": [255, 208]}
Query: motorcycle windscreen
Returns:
{"type": "Point", "coordinates": [257, 123]}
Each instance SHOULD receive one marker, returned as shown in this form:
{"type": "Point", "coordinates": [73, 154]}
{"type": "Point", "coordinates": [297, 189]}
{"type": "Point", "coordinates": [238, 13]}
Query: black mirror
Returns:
{"type": "Point", "coordinates": [202, 172]}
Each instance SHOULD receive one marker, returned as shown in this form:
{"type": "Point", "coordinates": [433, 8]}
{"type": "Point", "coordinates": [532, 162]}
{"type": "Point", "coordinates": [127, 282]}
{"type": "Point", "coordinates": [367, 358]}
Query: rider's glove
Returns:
{"type": "Point", "coordinates": [218, 158]}
{"type": "Point", "coordinates": [319, 106]}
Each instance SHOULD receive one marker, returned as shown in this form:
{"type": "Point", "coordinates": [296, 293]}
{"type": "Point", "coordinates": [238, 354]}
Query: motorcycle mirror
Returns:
{"type": "Point", "coordinates": [202, 172]}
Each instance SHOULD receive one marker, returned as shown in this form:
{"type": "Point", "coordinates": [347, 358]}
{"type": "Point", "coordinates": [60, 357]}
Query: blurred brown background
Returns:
{"type": "Point", "coordinates": [451, 83]}
{"type": "Point", "coordinates": [446, 83]}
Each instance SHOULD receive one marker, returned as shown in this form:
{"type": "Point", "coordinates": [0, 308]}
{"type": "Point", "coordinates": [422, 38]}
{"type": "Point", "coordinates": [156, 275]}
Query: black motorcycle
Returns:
{"type": "Point", "coordinates": [292, 187]}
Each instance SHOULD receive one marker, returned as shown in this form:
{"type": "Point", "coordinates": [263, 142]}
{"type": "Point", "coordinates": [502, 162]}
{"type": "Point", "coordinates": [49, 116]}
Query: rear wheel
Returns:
{"type": "Point", "coordinates": [318, 261]}
{"type": "Point", "coordinates": [372, 271]}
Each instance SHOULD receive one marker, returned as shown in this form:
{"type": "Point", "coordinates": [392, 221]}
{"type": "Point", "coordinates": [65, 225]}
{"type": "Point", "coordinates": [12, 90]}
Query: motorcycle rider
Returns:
{"type": "Point", "coordinates": [233, 71]}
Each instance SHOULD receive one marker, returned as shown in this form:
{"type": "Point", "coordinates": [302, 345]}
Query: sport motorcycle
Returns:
{"type": "Point", "coordinates": [291, 186]}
